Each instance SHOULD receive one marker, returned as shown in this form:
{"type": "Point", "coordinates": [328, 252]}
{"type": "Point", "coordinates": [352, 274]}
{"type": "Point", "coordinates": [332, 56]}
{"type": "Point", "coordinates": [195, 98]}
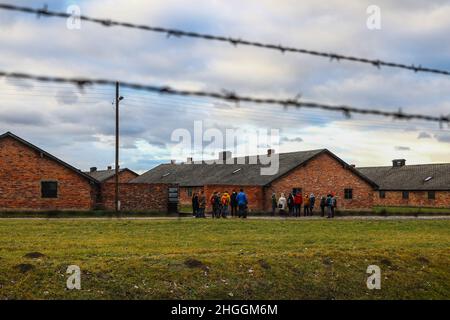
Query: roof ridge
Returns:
{"type": "Point", "coordinates": [184, 176]}
{"type": "Point", "coordinates": [280, 153]}
{"type": "Point", "coordinates": [240, 157]}
{"type": "Point", "coordinates": [408, 165]}
{"type": "Point", "coordinates": [108, 170]}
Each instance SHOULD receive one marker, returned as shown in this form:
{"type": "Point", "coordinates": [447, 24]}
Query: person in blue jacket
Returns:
{"type": "Point", "coordinates": [312, 201]}
{"type": "Point", "coordinates": [329, 204]}
{"type": "Point", "coordinates": [242, 202]}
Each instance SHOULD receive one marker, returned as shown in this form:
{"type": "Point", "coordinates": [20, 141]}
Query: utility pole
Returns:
{"type": "Point", "coordinates": [117, 148]}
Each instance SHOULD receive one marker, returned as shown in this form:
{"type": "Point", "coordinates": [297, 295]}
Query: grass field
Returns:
{"type": "Point", "coordinates": [226, 259]}
{"type": "Point", "coordinates": [378, 210]}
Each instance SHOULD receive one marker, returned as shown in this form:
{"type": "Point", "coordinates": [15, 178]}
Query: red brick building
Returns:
{"type": "Point", "coordinates": [33, 179]}
{"type": "Point", "coordinates": [426, 185]}
{"type": "Point", "coordinates": [316, 171]}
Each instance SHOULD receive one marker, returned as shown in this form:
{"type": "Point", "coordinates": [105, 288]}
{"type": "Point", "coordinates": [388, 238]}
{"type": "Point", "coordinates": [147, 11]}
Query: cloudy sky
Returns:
{"type": "Point", "coordinates": [78, 126]}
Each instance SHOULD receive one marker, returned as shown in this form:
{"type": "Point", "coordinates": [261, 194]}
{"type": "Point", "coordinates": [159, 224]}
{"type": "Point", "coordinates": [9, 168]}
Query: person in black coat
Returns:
{"type": "Point", "coordinates": [290, 203]}
{"type": "Point", "coordinates": [323, 204]}
{"type": "Point", "coordinates": [233, 203]}
{"type": "Point", "coordinates": [218, 204]}
{"type": "Point", "coordinates": [195, 205]}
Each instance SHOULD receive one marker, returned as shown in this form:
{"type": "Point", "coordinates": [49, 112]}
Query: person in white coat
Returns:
{"type": "Point", "coordinates": [282, 203]}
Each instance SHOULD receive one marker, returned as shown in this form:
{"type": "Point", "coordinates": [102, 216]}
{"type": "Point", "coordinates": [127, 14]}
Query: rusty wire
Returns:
{"type": "Point", "coordinates": [44, 12]}
{"type": "Point", "coordinates": [230, 97]}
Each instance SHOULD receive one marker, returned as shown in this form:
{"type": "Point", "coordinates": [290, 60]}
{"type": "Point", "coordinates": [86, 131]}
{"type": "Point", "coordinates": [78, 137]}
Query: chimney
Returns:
{"type": "Point", "coordinates": [270, 152]}
{"type": "Point", "coordinates": [109, 168]}
{"type": "Point", "coordinates": [173, 161]}
{"type": "Point", "coordinates": [93, 169]}
{"type": "Point", "coordinates": [398, 163]}
{"type": "Point", "coordinates": [189, 160]}
{"type": "Point", "coordinates": [225, 155]}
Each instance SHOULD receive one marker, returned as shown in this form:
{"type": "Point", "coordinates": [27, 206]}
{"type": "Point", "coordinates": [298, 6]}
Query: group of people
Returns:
{"type": "Point", "coordinates": [236, 204]}
{"type": "Point", "coordinates": [222, 204]}
{"type": "Point", "coordinates": [199, 204]}
{"type": "Point", "coordinates": [293, 204]}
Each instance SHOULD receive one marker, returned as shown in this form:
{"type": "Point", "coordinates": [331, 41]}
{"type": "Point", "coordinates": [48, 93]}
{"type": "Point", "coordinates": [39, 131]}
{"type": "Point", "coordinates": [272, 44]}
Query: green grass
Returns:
{"type": "Point", "coordinates": [253, 259]}
{"type": "Point", "coordinates": [186, 211]}
{"type": "Point", "coordinates": [88, 214]}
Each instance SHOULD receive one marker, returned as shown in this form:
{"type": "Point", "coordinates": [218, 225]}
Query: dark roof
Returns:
{"type": "Point", "coordinates": [199, 174]}
{"type": "Point", "coordinates": [103, 175]}
{"type": "Point", "coordinates": [410, 177]}
{"type": "Point", "coordinates": [48, 155]}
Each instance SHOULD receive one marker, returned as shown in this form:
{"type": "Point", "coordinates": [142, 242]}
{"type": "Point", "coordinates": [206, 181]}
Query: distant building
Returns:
{"type": "Point", "coordinates": [318, 171]}
{"type": "Point", "coordinates": [315, 171]}
{"type": "Point", "coordinates": [425, 185]}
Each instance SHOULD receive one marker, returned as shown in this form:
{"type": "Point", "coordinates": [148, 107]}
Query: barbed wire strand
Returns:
{"type": "Point", "coordinates": [234, 41]}
{"type": "Point", "coordinates": [230, 96]}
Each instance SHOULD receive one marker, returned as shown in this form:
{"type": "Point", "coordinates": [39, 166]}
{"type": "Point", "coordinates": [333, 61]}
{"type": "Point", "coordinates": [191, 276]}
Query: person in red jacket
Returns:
{"type": "Point", "coordinates": [298, 200]}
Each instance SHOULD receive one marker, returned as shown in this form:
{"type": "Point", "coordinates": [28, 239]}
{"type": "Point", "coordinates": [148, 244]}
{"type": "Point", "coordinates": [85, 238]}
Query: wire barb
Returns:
{"type": "Point", "coordinates": [107, 23]}
{"type": "Point", "coordinates": [43, 11]}
{"type": "Point", "coordinates": [175, 33]}
{"type": "Point", "coordinates": [347, 113]}
{"type": "Point", "coordinates": [281, 48]}
{"type": "Point", "coordinates": [165, 89]}
{"type": "Point", "coordinates": [234, 41]}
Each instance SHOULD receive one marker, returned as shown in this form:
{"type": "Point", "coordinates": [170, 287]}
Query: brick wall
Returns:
{"type": "Point", "coordinates": [416, 199]}
{"type": "Point", "coordinates": [254, 194]}
{"type": "Point", "coordinates": [185, 198]}
{"type": "Point", "coordinates": [124, 176]}
{"type": "Point", "coordinates": [320, 176]}
{"type": "Point", "coordinates": [136, 196]}
{"type": "Point", "coordinates": [21, 171]}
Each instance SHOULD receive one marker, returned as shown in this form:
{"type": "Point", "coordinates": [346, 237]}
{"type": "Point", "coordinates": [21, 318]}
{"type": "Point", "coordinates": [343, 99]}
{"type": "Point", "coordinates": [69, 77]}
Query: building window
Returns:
{"type": "Point", "coordinates": [189, 192]}
{"type": "Point", "coordinates": [49, 189]}
{"type": "Point", "coordinates": [405, 194]}
{"type": "Point", "coordinates": [348, 193]}
{"type": "Point", "coordinates": [382, 194]}
{"type": "Point", "coordinates": [431, 195]}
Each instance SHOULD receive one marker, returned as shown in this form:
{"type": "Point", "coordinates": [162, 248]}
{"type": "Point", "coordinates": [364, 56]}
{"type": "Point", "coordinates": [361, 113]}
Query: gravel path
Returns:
{"type": "Point", "coordinates": [432, 217]}
{"type": "Point", "coordinates": [361, 218]}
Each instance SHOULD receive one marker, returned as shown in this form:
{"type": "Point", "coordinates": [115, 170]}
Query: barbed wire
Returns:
{"type": "Point", "coordinates": [230, 96]}
{"type": "Point", "coordinates": [234, 41]}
